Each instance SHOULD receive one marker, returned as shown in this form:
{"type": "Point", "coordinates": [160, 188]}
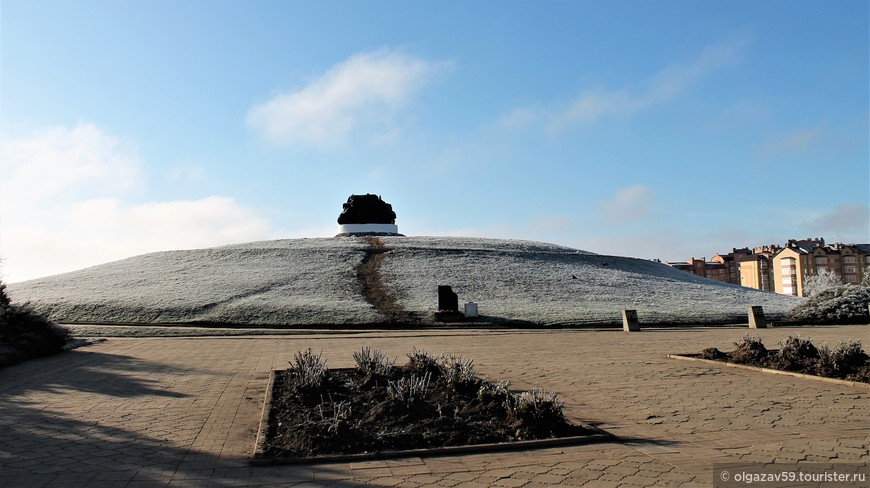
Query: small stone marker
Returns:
{"type": "Point", "coordinates": [471, 310]}
{"type": "Point", "coordinates": [447, 299]}
{"type": "Point", "coordinates": [629, 321]}
{"type": "Point", "coordinates": [448, 305]}
{"type": "Point", "coordinates": [756, 317]}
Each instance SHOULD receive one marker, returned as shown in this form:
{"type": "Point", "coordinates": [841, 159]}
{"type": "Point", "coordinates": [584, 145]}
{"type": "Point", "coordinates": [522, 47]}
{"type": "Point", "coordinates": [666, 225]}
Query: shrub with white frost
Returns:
{"type": "Point", "coordinates": [836, 304]}
{"type": "Point", "coordinates": [822, 281]}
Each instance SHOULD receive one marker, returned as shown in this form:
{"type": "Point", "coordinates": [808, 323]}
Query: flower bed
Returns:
{"type": "Point", "coordinates": [380, 410]}
{"type": "Point", "coordinates": [846, 361]}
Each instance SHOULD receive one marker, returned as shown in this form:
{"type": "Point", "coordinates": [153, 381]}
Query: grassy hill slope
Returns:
{"type": "Point", "coordinates": [300, 282]}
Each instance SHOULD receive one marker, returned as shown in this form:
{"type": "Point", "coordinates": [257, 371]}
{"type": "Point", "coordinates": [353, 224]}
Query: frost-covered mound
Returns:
{"type": "Point", "coordinates": [301, 282]}
{"type": "Point", "coordinates": [554, 285]}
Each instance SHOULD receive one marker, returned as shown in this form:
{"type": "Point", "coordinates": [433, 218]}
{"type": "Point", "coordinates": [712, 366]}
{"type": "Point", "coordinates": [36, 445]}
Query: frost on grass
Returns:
{"type": "Point", "coordinates": [284, 282]}
{"type": "Point", "coordinates": [301, 282]}
{"type": "Point", "coordinates": [554, 285]}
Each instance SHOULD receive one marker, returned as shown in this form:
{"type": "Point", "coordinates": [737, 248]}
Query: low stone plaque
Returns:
{"type": "Point", "coordinates": [756, 317]}
{"type": "Point", "coordinates": [629, 321]}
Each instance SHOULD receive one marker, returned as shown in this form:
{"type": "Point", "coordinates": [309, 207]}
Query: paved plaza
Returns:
{"type": "Point", "coordinates": [184, 411]}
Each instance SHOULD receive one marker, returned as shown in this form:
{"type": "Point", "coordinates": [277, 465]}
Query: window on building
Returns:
{"type": "Point", "coordinates": [850, 259]}
{"type": "Point", "coordinates": [850, 269]}
{"type": "Point", "coordinates": [820, 260]}
{"type": "Point", "coordinates": [851, 279]}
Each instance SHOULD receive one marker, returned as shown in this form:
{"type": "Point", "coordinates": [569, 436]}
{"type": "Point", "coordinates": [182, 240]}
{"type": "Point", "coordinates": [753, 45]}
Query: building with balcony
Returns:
{"type": "Point", "coordinates": [783, 269]}
{"type": "Point", "coordinates": [801, 259]}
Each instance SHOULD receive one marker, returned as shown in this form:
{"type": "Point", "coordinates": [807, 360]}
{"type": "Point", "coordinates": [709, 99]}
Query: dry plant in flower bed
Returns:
{"type": "Point", "coordinates": [429, 402]}
{"type": "Point", "coordinates": [847, 360]}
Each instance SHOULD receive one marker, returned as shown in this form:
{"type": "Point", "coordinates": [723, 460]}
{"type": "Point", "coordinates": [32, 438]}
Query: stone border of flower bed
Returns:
{"type": "Point", "coordinates": [836, 381]}
{"type": "Point", "coordinates": [259, 458]}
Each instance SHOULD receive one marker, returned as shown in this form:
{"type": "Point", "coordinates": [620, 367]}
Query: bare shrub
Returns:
{"type": "Point", "coordinates": [531, 410]}
{"type": "Point", "coordinates": [796, 353]}
{"type": "Point", "coordinates": [749, 350]}
{"type": "Point", "coordinates": [796, 347]}
{"type": "Point", "coordinates": [409, 389]}
{"type": "Point", "coordinates": [337, 419]}
{"type": "Point", "coordinates": [421, 362]}
{"type": "Point", "coordinates": [308, 369]}
{"type": "Point", "coordinates": [494, 390]}
{"type": "Point", "coordinates": [848, 357]}
{"type": "Point", "coordinates": [456, 371]}
{"type": "Point", "coordinates": [373, 361]}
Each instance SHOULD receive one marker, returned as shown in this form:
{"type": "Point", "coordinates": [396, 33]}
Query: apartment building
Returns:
{"type": "Point", "coordinates": [715, 270]}
{"type": "Point", "coordinates": [783, 269]}
{"type": "Point", "coordinates": [730, 263]}
{"type": "Point", "coordinates": [801, 259]}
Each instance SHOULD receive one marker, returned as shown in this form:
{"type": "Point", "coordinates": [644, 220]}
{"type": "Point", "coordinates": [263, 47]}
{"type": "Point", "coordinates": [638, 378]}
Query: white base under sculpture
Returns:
{"type": "Point", "coordinates": [363, 229]}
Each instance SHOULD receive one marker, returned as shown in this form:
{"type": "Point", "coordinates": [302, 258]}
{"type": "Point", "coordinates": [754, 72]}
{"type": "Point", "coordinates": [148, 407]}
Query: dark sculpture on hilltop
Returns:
{"type": "Point", "coordinates": [366, 209]}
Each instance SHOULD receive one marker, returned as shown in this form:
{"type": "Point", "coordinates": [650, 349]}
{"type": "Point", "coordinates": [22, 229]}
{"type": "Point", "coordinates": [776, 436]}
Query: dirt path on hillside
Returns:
{"type": "Point", "coordinates": [374, 289]}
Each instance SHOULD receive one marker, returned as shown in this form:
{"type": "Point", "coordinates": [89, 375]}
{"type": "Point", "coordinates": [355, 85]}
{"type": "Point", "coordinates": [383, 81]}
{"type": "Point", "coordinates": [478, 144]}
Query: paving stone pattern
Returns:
{"type": "Point", "coordinates": [184, 411]}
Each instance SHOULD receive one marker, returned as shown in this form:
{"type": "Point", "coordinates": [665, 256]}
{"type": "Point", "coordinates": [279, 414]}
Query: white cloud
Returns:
{"type": "Point", "coordinates": [520, 118]}
{"type": "Point", "coordinates": [596, 103]}
{"type": "Point", "coordinates": [848, 223]}
{"type": "Point", "coordinates": [98, 231]}
{"type": "Point", "coordinates": [628, 205]}
{"type": "Point", "coordinates": [60, 160]}
{"type": "Point", "coordinates": [360, 90]}
{"type": "Point", "coordinates": [186, 174]}
{"type": "Point", "coordinates": [789, 142]}
{"type": "Point", "coordinates": [62, 206]}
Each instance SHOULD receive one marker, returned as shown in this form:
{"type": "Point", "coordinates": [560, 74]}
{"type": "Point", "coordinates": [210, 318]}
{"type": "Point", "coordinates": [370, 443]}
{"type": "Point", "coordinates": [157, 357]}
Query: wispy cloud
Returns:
{"type": "Point", "coordinates": [64, 159]}
{"type": "Point", "coordinates": [357, 91]}
{"type": "Point", "coordinates": [63, 206]}
{"type": "Point", "coordinates": [847, 222]}
{"type": "Point", "coordinates": [598, 102]}
{"type": "Point", "coordinates": [628, 205]}
{"type": "Point", "coordinates": [790, 142]}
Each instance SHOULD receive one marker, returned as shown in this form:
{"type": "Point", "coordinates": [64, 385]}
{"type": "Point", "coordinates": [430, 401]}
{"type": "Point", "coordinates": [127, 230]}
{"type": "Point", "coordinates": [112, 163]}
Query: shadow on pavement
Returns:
{"type": "Point", "coordinates": [43, 444]}
{"type": "Point", "coordinates": [84, 371]}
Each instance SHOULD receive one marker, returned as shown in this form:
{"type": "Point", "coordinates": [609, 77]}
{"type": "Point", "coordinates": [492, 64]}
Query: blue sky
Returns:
{"type": "Point", "coordinates": [653, 129]}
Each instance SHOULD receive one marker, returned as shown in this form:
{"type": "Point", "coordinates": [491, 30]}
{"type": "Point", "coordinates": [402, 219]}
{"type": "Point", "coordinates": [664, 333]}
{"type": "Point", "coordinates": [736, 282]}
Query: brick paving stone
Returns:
{"type": "Point", "coordinates": [184, 411]}
{"type": "Point", "coordinates": [536, 469]}
{"type": "Point", "coordinates": [404, 471]}
{"type": "Point", "coordinates": [464, 476]}
{"type": "Point", "coordinates": [510, 482]}
{"type": "Point", "coordinates": [387, 481]}
{"type": "Point", "coordinates": [424, 479]}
